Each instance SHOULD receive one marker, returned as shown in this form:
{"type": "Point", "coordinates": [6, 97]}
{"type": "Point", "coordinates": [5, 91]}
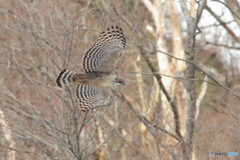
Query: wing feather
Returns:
{"type": "Point", "coordinates": [103, 56]}
{"type": "Point", "coordinates": [91, 97]}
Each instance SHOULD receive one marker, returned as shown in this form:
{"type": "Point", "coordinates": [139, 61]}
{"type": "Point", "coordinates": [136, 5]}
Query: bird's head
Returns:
{"type": "Point", "coordinates": [119, 81]}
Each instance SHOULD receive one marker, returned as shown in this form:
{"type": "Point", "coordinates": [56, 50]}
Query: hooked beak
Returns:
{"type": "Point", "coordinates": [124, 83]}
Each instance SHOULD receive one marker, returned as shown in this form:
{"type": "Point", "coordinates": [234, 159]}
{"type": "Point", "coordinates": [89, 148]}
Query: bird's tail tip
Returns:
{"type": "Point", "coordinates": [65, 78]}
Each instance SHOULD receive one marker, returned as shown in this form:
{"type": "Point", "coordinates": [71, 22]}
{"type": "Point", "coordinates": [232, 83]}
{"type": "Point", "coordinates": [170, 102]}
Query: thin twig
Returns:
{"type": "Point", "coordinates": [201, 70]}
{"type": "Point", "coordinates": [224, 25]}
{"type": "Point", "coordinates": [223, 45]}
{"type": "Point", "coordinates": [174, 77]}
{"type": "Point", "coordinates": [228, 8]}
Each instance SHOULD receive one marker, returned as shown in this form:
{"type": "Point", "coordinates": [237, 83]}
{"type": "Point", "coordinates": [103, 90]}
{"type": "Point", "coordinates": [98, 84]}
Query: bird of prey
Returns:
{"type": "Point", "coordinates": [99, 64]}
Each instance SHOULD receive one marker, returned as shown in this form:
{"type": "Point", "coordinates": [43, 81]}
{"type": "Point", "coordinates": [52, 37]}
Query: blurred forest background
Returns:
{"type": "Point", "coordinates": [181, 68]}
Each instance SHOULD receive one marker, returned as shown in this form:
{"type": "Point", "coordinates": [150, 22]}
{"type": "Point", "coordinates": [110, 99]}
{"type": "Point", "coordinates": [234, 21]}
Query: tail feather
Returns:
{"type": "Point", "coordinates": [65, 78]}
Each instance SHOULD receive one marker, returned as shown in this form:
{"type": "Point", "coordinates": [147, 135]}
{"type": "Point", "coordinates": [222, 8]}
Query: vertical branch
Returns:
{"type": "Point", "coordinates": [178, 47]}
{"type": "Point", "coordinates": [201, 95]}
{"type": "Point", "coordinates": [156, 9]}
{"type": "Point", "coordinates": [199, 99]}
{"type": "Point", "coordinates": [100, 141]}
{"type": "Point", "coordinates": [7, 134]}
{"type": "Point", "coordinates": [177, 66]}
{"type": "Point", "coordinates": [189, 84]}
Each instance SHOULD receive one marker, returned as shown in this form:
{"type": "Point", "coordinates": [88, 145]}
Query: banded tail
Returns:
{"type": "Point", "coordinates": [65, 78]}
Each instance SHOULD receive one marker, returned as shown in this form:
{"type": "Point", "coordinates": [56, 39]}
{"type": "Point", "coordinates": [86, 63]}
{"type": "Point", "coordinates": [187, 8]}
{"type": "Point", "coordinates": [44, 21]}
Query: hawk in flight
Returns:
{"type": "Point", "coordinates": [99, 64]}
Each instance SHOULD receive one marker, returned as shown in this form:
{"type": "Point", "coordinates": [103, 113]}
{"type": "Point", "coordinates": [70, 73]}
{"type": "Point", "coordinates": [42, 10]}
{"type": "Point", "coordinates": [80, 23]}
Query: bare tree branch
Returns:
{"type": "Point", "coordinates": [150, 127]}
{"type": "Point", "coordinates": [223, 45]}
{"type": "Point", "coordinates": [170, 100]}
{"type": "Point", "coordinates": [228, 8]}
{"type": "Point", "coordinates": [190, 74]}
{"type": "Point", "coordinates": [223, 24]}
{"type": "Point", "coordinates": [201, 95]}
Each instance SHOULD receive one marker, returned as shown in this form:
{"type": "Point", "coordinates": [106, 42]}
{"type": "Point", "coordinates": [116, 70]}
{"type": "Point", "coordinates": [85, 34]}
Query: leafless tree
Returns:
{"type": "Point", "coordinates": [181, 95]}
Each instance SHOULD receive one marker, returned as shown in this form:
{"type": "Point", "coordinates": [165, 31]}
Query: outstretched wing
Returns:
{"type": "Point", "coordinates": [103, 56]}
{"type": "Point", "coordinates": [91, 97]}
